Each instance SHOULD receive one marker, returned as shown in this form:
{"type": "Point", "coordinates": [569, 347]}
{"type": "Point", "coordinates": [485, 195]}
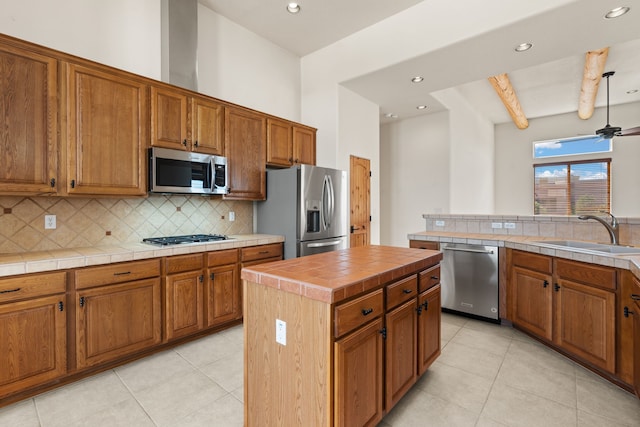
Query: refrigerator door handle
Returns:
{"type": "Point", "coordinates": [325, 202]}
{"type": "Point", "coordinates": [332, 204]}
{"type": "Point", "coordinates": [325, 244]}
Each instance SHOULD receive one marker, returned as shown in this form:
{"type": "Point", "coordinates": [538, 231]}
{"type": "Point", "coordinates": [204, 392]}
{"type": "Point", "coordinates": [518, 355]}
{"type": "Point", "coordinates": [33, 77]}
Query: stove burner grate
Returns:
{"type": "Point", "coordinates": [190, 238]}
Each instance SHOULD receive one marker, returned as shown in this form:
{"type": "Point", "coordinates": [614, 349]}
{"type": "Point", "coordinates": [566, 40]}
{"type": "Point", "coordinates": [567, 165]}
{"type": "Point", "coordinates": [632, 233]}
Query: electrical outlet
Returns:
{"type": "Point", "coordinates": [511, 225]}
{"type": "Point", "coordinates": [439, 223]}
{"type": "Point", "coordinates": [496, 225]}
{"type": "Point", "coordinates": [49, 222]}
{"type": "Point", "coordinates": [232, 216]}
{"type": "Point", "coordinates": [281, 332]}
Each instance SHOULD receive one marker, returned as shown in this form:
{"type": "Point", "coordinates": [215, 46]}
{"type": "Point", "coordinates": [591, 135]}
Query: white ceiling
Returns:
{"type": "Point", "coordinates": [546, 78]}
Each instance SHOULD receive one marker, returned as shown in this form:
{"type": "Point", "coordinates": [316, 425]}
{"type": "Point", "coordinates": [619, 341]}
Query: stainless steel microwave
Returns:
{"type": "Point", "coordinates": [176, 171]}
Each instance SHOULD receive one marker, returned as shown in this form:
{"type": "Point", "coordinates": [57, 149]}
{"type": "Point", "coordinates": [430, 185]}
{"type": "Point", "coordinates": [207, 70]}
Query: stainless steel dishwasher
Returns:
{"type": "Point", "coordinates": [469, 280]}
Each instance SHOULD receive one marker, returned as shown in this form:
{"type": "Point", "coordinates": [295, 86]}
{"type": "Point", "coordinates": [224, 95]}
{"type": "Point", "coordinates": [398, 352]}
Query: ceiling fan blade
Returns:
{"type": "Point", "coordinates": [629, 132]}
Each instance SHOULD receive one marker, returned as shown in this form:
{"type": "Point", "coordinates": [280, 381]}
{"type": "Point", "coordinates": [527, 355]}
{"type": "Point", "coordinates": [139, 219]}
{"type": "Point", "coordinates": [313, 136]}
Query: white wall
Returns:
{"type": "Point", "coordinates": [514, 159]}
{"type": "Point", "coordinates": [414, 174]}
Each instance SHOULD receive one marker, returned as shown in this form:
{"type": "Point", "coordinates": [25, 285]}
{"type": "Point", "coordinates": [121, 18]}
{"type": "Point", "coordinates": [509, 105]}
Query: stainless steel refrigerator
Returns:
{"type": "Point", "coordinates": [308, 205]}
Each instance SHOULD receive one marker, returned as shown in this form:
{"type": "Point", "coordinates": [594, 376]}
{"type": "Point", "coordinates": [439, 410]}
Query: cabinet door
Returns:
{"type": "Point", "coordinates": [33, 344]}
{"type": "Point", "coordinates": [428, 328]}
{"type": "Point", "coordinates": [279, 143]}
{"type": "Point", "coordinates": [245, 148]}
{"type": "Point", "coordinates": [358, 377]}
{"type": "Point", "coordinates": [113, 321]}
{"type": "Point", "coordinates": [304, 146]}
{"type": "Point", "coordinates": [585, 323]}
{"type": "Point", "coordinates": [532, 302]}
{"type": "Point", "coordinates": [401, 352]}
{"type": "Point", "coordinates": [625, 357]}
{"type": "Point", "coordinates": [29, 114]}
{"type": "Point", "coordinates": [208, 126]}
{"type": "Point", "coordinates": [107, 132]}
{"type": "Point", "coordinates": [636, 344]}
{"type": "Point", "coordinates": [184, 304]}
{"type": "Point", "coordinates": [222, 295]}
{"type": "Point", "coordinates": [169, 119]}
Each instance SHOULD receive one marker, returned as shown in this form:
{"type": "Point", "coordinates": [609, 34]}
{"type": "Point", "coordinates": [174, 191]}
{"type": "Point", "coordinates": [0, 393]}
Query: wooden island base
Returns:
{"type": "Point", "coordinates": [336, 339]}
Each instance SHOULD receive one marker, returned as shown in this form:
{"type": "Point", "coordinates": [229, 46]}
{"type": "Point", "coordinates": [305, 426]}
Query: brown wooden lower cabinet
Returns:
{"type": "Point", "coordinates": [222, 290]}
{"type": "Point", "coordinates": [429, 328]}
{"type": "Point", "coordinates": [184, 295]}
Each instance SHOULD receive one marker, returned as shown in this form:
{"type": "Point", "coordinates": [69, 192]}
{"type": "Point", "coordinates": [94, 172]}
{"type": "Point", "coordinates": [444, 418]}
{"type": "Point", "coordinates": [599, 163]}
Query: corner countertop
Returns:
{"type": "Point", "coordinates": [34, 262]}
{"type": "Point", "coordinates": [331, 277]}
{"type": "Point", "coordinates": [532, 244]}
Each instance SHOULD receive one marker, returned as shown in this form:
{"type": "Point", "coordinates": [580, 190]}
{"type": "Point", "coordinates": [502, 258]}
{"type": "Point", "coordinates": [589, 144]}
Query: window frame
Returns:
{"type": "Point", "coordinates": [569, 195]}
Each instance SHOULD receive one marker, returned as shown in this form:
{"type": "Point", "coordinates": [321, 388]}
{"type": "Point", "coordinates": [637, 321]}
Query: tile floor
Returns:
{"type": "Point", "coordinates": [487, 375]}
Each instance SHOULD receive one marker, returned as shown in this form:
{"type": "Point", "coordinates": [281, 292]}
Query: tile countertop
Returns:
{"type": "Point", "coordinates": [331, 277]}
{"type": "Point", "coordinates": [530, 244]}
{"type": "Point", "coordinates": [33, 262]}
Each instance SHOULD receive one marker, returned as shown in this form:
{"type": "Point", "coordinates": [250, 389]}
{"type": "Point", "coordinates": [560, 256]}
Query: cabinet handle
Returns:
{"type": "Point", "coordinates": [635, 297]}
{"type": "Point", "coordinates": [290, 159]}
{"type": "Point", "coordinates": [383, 332]}
{"type": "Point", "coordinates": [367, 311]}
{"type": "Point", "coordinates": [407, 291]}
{"type": "Point", "coordinates": [10, 290]}
{"type": "Point", "coordinates": [426, 305]}
{"type": "Point", "coordinates": [73, 183]}
{"type": "Point", "coordinates": [556, 287]}
{"type": "Point", "coordinates": [81, 301]}
{"type": "Point", "coordinates": [123, 273]}
{"type": "Point", "coordinates": [201, 278]}
{"type": "Point", "coordinates": [60, 306]}
{"type": "Point", "coordinates": [52, 182]}
{"type": "Point", "coordinates": [196, 143]}
{"type": "Point", "coordinates": [545, 283]}
{"type": "Point", "coordinates": [263, 252]}
{"type": "Point", "coordinates": [297, 160]}
{"type": "Point", "coordinates": [419, 310]}
{"type": "Point", "coordinates": [433, 277]}
{"type": "Point", "coordinates": [184, 142]}
{"type": "Point", "coordinates": [211, 276]}
{"type": "Point", "coordinates": [627, 312]}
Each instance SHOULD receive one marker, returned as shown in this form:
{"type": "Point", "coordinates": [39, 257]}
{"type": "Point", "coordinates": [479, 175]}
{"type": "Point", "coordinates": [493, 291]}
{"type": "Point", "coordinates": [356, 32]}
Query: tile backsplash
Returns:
{"type": "Point", "coordinates": [85, 222]}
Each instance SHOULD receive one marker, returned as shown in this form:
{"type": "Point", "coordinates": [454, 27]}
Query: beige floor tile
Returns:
{"type": "Point", "coordinates": [454, 385]}
{"type": "Point", "coordinates": [517, 408]}
{"type": "Point", "coordinates": [540, 356]}
{"type": "Point", "coordinates": [420, 409]}
{"type": "Point", "coordinates": [209, 349]}
{"type": "Point", "coordinates": [485, 421]}
{"type": "Point", "coordinates": [227, 372]}
{"type": "Point", "coordinates": [178, 396]}
{"type": "Point", "coordinates": [127, 413]}
{"type": "Point", "coordinates": [586, 419]}
{"type": "Point", "coordinates": [227, 411]}
{"type": "Point", "coordinates": [79, 400]}
{"type": "Point", "coordinates": [607, 400]}
{"type": "Point", "coordinates": [21, 414]}
{"type": "Point", "coordinates": [454, 319]}
{"type": "Point", "coordinates": [481, 340]}
{"type": "Point", "coordinates": [152, 370]}
{"type": "Point", "coordinates": [239, 393]}
{"type": "Point", "coordinates": [448, 331]}
{"type": "Point", "coordinates": [471, 359]}
{"type": "Point", "coordinates": [491, 328]}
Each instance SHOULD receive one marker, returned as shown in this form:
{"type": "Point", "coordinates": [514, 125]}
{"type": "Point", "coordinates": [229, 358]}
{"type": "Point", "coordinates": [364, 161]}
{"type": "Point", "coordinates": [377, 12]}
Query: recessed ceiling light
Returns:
{"type": "Point", "coordinates": [391, 116]}
{"type": "Point", "coordinates": [417, 79]}
{"type": "Point", "coordinates": [421, 107]}
{"type": "Point", "coordinates": [523, 46]}
{"type": "Point", "coordinates": [618, 11]}
{"type": "Point", "coordinates": [293, 8]}
{"type": "Point", "coordinates": [632, 91]}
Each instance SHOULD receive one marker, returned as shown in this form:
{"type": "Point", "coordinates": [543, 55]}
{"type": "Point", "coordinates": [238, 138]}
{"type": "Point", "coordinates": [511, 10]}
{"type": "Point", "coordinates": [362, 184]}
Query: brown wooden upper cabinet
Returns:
{"type": "Point", "coordinates": [245, 135]}
{"type": "Point", "coordinates": [29, 111]}
{"type": "Point", "coordinates": [184, 121]}
{"type": "Point", "coordinates": [289, 144]}
{"type": "Point", "coordinates": [107, 131]}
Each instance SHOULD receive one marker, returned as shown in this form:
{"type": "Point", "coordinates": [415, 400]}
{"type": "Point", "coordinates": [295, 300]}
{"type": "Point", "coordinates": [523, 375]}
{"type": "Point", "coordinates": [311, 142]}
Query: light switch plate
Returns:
{"type": "Point", "coordinates": [232, 216]}
{"type": "Point", "coordinates": [439, 223]}
{"type": "Point", "coordinates": [281, 332]}
{"type": "Point", "coordinates": [511, 225]}
{"type": "Point", "coordinates": [496, 225]}
{"type": "Point", "coordinates": [49, 222]}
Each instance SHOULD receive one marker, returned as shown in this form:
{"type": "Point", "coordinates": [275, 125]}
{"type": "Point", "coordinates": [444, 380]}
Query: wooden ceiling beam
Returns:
{"type": "Point", "coordinates": [507, 94]}
{"type": "Point", "coordinates": [594, 63]}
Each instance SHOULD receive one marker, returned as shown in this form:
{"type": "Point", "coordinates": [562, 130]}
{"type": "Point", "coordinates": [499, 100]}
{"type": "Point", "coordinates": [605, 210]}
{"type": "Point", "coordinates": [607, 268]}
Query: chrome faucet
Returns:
{"type": "Point", "coordinates": [612, 228]}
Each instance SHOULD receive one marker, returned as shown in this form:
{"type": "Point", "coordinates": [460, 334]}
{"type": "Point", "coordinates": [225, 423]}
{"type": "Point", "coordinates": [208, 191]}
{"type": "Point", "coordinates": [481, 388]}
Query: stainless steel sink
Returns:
{"type": "Point", "coordinates": [591, 247]}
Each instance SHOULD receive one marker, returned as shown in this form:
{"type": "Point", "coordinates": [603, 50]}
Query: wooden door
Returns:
{"type": "Point", "coordinates": [401, 352]}
{"type": "Point", "coordinates": [108, 125]}
{"type": "Point", "coordinates": [636, 343]}
{"type": "Point", "coordinates": [29, 111]}
{"type": "Point", "coordinates": [222, 295]}
{"type": "Point", "coordinates": [33, 342]}
{"type": "Point", "coordinates": [585, 323]}
{"type": "Point", "coordinates": [208, 126]}
{"type": "Point", "coordinates": [246, 150]}
{"type": "Point", "coordinates": [629, 286]}
{"type": "Point", "coordinates": [169, 119]}
{"type": "Point", "coordinates": [360, 173]}
{"type": "Point", "coordinates": [184, 304]}
{"type": "Point", "coordinates": [304, 145]}
{"type": "Point", "coordinates": [279, 143]}
{"type": "Point", "coordinates": [358, 377]}
{"type": "Point", "coordinates": [428, 328]}
{"type": "Point", "coordinates": [532, 302]}
{"type": "Point", "coordinates": [116, 320]}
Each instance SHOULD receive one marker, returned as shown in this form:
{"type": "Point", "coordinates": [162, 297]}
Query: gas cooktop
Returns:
{"type": "Point", "coordinates": [177, 240]}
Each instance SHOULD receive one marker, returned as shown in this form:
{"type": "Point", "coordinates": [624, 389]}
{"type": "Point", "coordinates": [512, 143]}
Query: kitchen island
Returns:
{"type": "Point", "coordinates": [336, 339]}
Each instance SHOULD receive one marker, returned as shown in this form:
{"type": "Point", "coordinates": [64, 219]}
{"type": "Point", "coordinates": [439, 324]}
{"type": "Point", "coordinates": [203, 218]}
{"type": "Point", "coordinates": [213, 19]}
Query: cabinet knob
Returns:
{"type": "Point", "coordinates": [184, 142]}
{"type": "Point", "coordinates": [627, 312]}
{"type": "Point", "coordinates": [407, 291]}
{"type": "Point", "coordinates": [60, 306]}
{"type": "Point", "coordinates": [52, 182]}
{"type": "Point", "coordinates": [434, 277]}
{"type": "Point", "coordinates": [556, 287]}
{"type": "Point", "coordinates": [196, 143]}
{"type": "Point", "coordinates": [367, 311]}
{"type": "Point", "coordinates": [545, 283]}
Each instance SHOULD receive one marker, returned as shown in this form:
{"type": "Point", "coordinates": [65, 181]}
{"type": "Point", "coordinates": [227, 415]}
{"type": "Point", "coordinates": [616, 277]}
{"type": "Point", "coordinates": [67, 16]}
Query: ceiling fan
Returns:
{"type": "Point", "coordinates": [609, 131]}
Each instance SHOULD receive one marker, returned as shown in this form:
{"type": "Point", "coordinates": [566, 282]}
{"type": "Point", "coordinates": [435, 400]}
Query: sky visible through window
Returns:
{"type": "Point", "coordinates": [571, 146]}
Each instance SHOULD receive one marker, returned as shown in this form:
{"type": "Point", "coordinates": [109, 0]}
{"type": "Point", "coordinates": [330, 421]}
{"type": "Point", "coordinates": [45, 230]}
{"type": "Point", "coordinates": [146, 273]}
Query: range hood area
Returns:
{"type": "Point", "coordinates": [179, 50]}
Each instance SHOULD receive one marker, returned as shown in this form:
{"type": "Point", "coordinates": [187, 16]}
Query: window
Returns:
{"type": "Point", "coordinates": [571, 146]}
{"type": "Point", "coordinates": [572, 188]}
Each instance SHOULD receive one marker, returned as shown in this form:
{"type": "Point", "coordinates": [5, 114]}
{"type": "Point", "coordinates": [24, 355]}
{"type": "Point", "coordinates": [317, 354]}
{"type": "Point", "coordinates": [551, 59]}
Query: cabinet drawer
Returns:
{"type": "Point", "coordinates": [216, 258]}
{"type": "Point", "coordinates": [21, 287]}
{"type": "Point", "coordinates": [180, 263]}
{"type": "Point", "coordinates": [260, 252]}
{"type": "Point", "coordinates": [541, 263]}
{"type": "Point", "coordinates": [116, 273]}
{"type": "Point", "coordinates": [596, 275]}
{"type": "Point", "coordinates": [429, 278]}
{"type": "Point", "coordinates": [424, 244]}
{"type": "Point", "coordinates": [401, 291]}
{"type": "Point", "coordinates": [355, 313]}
